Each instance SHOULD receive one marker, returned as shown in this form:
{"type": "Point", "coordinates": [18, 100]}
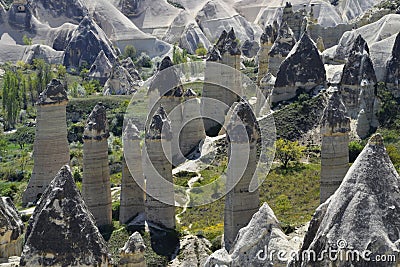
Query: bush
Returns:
{"type": "Point", "coordinates": [287, 151]}
{"type": "Point", "coordinates": [115, 210]}
{"type": "Point", "coordinates": [130, 51]}
{"type": "Point", "coordinates": [144, 61]}
{"type": "Point", "coordinates": [355, 149]}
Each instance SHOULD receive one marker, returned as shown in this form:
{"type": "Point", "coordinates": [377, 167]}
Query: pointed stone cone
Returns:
{"type": "Point", "coordinates": [50, 148]}
{"type": "Point", "coordinates": [132, 254]}
{"type": "Point", "coordinates": [358, 87]}
{"type": "Point", "coordinates": [243, 133]}
{"type": "Point", "coordinates": [282, 46]}
{"type": "Point", "coordinates": [361, 216]}
{"type": "Point", "coordinates": [335, 128]}
{"type": "Point", "coordinates": [62, 230]}
{"type": "Point", "coordinates": [302, 69]}
{"type": "Point", "coordinates": [159, 205]}
{"type": "Point", "coordinates": [132, 184]}
{"type": "Point", "coordinates": [11, 239]}
{"type": "Point", "coordinates": [96, 187]}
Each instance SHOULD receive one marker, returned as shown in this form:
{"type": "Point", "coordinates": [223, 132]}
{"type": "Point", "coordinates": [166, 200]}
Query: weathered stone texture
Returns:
{"type": "Point", "coordinates": [222, 84]}
{"type": "Point", "coordinates": [120, 82]}
{"type": "Point", "coordinates": [101, 68]}
{"type": "Point", "coordinates": [262, 233]}
{"type": "Point", "coordinates": [11, 229]}
{"type": "Point", "coordinates": [335, 128]}
{"type": "Point", "coordinates": [132, 184]}
{"type": "Point", "coordinates": [282, 46]}
{"type": "Point", "coordinates": [392, 78]}
{"type": "Point", "coordinates": [158, 172]}
{"type": "Point", "coordinates": [62, 231]}
{"type": "Point", "coordinates": [358, 88]}
{"type": "Point", "coordinates": [302, 70]}
{"type": "Point", "coordinates": [50, 148]}
{"type": "Point", "coordinates": [132, 254]}
{"type": "Point", "coordinates": [263, 94]}
{"type": "Point", "coordinates": [363, 213]}
{"type": "Point", "coordinates": [96, 187]}
{"type": "Point", "coordinates": [192, 125]}
{"type": "Point", "coordinates": [266, 41]}
{"type": "Point", "coordinates": [242, 201]}
{"type": "Point", "coordinates": [193, 251]}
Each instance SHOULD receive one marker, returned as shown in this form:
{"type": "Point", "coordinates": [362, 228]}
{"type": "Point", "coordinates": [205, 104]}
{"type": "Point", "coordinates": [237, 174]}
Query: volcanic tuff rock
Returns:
{"type": "Point", "coordinates": [128, 64]}
{"type": "Point", "coordinates": [266, 41]}
{"type": "Point", "coordinates": [358, 88]}
{"type": "Point", "coordinates": [101, 68]}
{"type": "Point", "coordinates": [86, 43]}
{"type": "Point", "coordinates": [132, 254]}
{"type": "Point", "coordinates": [335, 128]}
{"type": "Point", "coordinates": [120, 82]}
{"type": "Point", "coordinates": [362, 215]}
{"type": "Point", "coordinates": [11, 229]}
{"type": "Point", "coordinates": [62, 231]}
{"type": "Point", "coordinates": [392, 78]}
{"type": "Point", "coordinates": [254, 243]}
{"type": "Point", "coordinates": [194, 251]}
{"type": "Point", "coordinates": [302, 69]}
{"type": "Point", "coordinates": [282, 46]}
{"type": "Point", "coordinates": [51, 150]}
{"type": "Point", "coordinates": [96, 189]}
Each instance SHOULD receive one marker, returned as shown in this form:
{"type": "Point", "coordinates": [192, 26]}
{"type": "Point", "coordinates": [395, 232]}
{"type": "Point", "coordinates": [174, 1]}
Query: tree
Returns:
{"type": "Point", "coordinates": [179, 57]}
{"type": "Point", "coordinates": [3, 146]}
{"type": "Point", "coordinates": [24, 135]}
{"type": "Point", "coordinates": [26, 40]}
{"type": "Point", "coordinates": [61, 71]}
{"type": "Point", "coordinates": [10, 98]}
{"type": "Point", "coordinates": [287, 151]}
{"type": "Point", "coordinates": [130, 51]}
{"type": "Point", "coordinates": [355, 149]}
{"type": "Point", "coordinates": [201, 50]}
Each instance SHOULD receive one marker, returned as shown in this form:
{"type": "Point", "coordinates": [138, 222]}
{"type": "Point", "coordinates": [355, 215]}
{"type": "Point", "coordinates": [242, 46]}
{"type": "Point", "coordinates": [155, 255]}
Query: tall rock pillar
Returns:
{"type": "Point", "coordinates": [392, 77]}
{"type": "Point", "coordinates": [243, 133]}
{"type": "Point", "coordinates": [159, 205]}
{"type": "Point", "coordinates": [335, 128]}
{"type": "Point", "coordinates": [221, 84]}
{"type": "Point", "coordinates": [266, 41]}
{"type": "Point", "coordinates": [50, 149]}
{"type": "Point", "coordinates": [132, 194]}
{"type": "Point", "coordinates": [96, 187]}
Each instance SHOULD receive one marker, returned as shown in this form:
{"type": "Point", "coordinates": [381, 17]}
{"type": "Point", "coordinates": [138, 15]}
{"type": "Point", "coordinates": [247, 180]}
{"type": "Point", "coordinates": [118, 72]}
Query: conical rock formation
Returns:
{"type": "Point", "coordinates": [393, 69]}
{"type": "Point", "coordinates": [11, 229]}
{"type": "Point", "coordinates": [363, 216]}
{"type": "Point", "coordinates": [132, 254]}
{"type": "Point", "coordinates": [62, 231]}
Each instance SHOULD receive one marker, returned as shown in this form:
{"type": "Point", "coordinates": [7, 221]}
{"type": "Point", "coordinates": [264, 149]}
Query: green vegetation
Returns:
{"type": "Point", "coordinates": [130, 51]}
{"type": "Point", "coordinates": [389, 113]}
{"type": "Point", "coordinates": [287, 151]}
{"type": "Point", "coordinates": [179, 57]}
{"type": "Point", "coordinates": [26, 40]}
{"type": "Point", "coordinates": [201, 51]}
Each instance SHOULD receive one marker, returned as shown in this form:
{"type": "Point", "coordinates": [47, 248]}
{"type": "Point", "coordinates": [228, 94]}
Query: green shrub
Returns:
{"type": "Point", "coordinates": [355, 148]}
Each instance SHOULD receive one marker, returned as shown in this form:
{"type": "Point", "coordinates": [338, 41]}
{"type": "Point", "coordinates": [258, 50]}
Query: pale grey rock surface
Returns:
{"type": "Point", "coordinates": [193, 251]}
{"type": "Point", "coordinates": [101, 68]}
{"type": "Point", "coordinates": [262, 233]}
{"type": "Point", "coordinates": [363, 213]}
{"type": "Point", "coordinates": [120, 82]}
{"type": "Point", "coordinates": [62, 231]}
{"type": "Point", "coordinates": [11, 229]}
{"type": "Point", "coordinates": [392, 75]}
{"type": "Point", "coordinates": [132, 254]}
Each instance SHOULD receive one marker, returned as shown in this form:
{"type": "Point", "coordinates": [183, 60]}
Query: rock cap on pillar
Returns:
{"type": "Point", "coordinates": [269, 35]}
{"type": "Point", "coordinates": [160, 126]}
{"type": "Point", "coordinates": [53, 94]}
{"type": "Point", "coordinates": [96, 125]}
{"type": "Point", "coordinates": [131, 132]}
{"type": "Point", "coordinates": [227, 42]}
{"type": "Point", "coordinates": [334, 119]}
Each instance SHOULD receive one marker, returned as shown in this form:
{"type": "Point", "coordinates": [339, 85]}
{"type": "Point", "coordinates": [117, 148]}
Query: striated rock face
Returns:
{"type": "Point", "coordinates": [302, 70]}
{"type": "Point", "coordinates": [335, 128]}
{"type": "Point", "coordinates": [221, 83]}
{"type": "Point", "coordinates": [363, 214]}
{"type": "Point", "coordinates": [50, 149]}
{"type": "Point", "coordinates": [101, 68]}
{"type": "Point", "coordinates": [11, 229]}
{"type": "Point", "coordinates": [96, 189]}
{"type": "Point", "coordinates": [192, 125]}
{"type": "Point", "coordinates": [266, 41]}
{"type": "Point", "coordinates": [158, 172]}
{"type": "Point", "coordinates": [132, 254]}
{"type": "Point", "coordinates": [358, 88]}
{"type": "Point", "coordinates": [265, 88]}
{"type": "Point", "coordinates": [132, 195]}
{"type": "Point", "coordinates": [264, 234]}
{"type": "Point", "coordinates": [120, 82]}
{"type": "Point", "coordinates": [62, 231]}
{"type": "Point", "coordinates": [282, 46]}
{"type": "Point", "coordinates": [194, 251]}
{"type": "Point", "coordinates": [128, 64]}
{"type": "Point", "coordinates": [392, 78]}
{"type": "Point", "coordinates": [85, 44]}
{"type": "Point", "coordinates": [242, 201]}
